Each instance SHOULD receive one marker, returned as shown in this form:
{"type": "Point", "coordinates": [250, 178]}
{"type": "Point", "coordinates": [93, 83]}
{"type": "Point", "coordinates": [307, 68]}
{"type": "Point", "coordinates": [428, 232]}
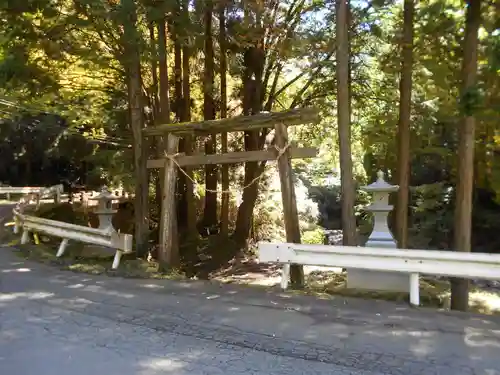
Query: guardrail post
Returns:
{"type": "Point", "coordinates": [16, 225]}
{"type": "Point", "coordinates": [123, 245]}
{"type": "Point", "coordinates": [25, 237]}
{"type": "Point", "coordinates": [414, 289]}
{"type": "Point", "coordinates": [57, 197]}
{"type": "Point", "coordinates": [116, 259]}
{"type": "Point", "coordinates": [285, 276]}
{"type": "Point", "coordinates": [62, 247]}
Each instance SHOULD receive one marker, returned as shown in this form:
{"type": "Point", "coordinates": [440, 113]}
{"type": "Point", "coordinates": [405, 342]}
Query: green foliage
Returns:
{"type": "Point", "coordinates": [471, 101]}
{"type": "Point", "coordinates": [432, 216]}
{"type": "Point", "coordinates": [316, 236]}
{"type": "Point", "coordinates": [63, 212]}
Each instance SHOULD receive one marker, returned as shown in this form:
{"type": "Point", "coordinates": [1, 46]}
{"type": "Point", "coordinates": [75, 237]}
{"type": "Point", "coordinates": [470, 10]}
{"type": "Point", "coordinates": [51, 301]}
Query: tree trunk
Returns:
{"type": "Point", "coordinates": [169, 245]}
{"type": "Point", "coordinates": [178, 32]}
{"type": "Point", "coordinates": [154, 70]}
{"type": "Point", "coordinates": [174, 26]}
{"type": "Point", "coordinates": [156, 110]}
{"type": "Point", "coordinates": [132, 64]}
{"type": "Point", "coordinates": [224, 213]}
{"type": "Point", "coordinates": [189, 140]}
{"type": "Point", "coordinates": [291, 216]}
{"type": "Point", "coordinates": [249, 195]}
{"type": "Point", "coordinates": [210, 212]}
{"type": "Point", "coordinates": [463, 209]}
{"type": "Point", "coordinates": [252, 82]}
{"type": "Point", "coordinates": [405, 87]}
{"type": "Point", "coordinates": [164, 102]}
{"type": "Point", "coordinates": [254, 58]}
{"type": "Point", "coordinates": [344, 125]}
{"type": "Point", "coordinates": [164, 84]}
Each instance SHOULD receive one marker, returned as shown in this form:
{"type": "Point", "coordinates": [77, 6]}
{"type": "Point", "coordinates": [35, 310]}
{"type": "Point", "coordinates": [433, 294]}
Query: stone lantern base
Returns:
{"type": "Point", "coordinates": [378, 281]}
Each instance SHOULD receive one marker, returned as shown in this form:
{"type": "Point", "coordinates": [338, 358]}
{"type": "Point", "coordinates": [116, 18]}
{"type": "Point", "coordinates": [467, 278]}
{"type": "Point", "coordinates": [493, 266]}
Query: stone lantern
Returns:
{"type": "Point", "coordinates": [105, 210]}
{"type": "Point", "coordinates": [380, 237]}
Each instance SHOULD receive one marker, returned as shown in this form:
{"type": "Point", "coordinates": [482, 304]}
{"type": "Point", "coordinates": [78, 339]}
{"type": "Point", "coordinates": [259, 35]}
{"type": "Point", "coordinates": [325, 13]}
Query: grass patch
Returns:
{"type": "Point", "coordinates": [331, 283]}
{"type": "Point", "coordinates": [72, 261]}
{"type": "Point", "coordinates": [433, 293]}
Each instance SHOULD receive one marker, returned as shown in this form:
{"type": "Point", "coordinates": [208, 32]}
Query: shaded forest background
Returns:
{"type": "Point", "coordinates": [80, 78]}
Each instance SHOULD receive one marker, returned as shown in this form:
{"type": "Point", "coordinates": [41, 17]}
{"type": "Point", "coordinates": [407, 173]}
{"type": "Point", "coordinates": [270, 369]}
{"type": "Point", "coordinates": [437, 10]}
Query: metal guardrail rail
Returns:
{"type": "Point", "coordinates": [33, 193]}
{"type": "Point", "coordinates": [20, 190]}
{"type": "Point", "coordinates": [413, 262]}
{"type": "Point", "coordinates": [121, 243]}
{"type": "Point", "coordinates": [107, 238]}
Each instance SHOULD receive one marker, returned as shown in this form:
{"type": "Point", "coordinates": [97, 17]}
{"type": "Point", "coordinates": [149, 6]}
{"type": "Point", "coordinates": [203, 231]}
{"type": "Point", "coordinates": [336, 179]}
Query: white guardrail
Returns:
{"type": "Point", "coordinates": [121, 243]}
{"type": "Point", "coordinates": [33, 193]}
{"type": "Point", "coordinates": [414, 262]}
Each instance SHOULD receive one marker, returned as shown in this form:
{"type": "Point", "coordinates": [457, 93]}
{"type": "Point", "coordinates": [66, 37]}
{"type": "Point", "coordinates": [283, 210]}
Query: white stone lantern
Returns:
{"type": "Point", "coordinates": [380, 237]}
{"type": "Point", "coordinates": [105, 210]}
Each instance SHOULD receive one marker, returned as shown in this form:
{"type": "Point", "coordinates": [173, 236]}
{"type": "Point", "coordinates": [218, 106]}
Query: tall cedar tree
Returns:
{"type": "Point", "coordinates": [210, 212]}
{"type": "Point", "coordinates": [186, 111]}
{"type": "Point", "coordinates": [463, 211]}
{"type": "Point", "coordinates": [344, 124]}
{"type": "Point", "coordinates": [224, 212]}
{"type": "Point", "coordinates": [405, 87]}
{"type": "Point", "coordinates": [131, 61]}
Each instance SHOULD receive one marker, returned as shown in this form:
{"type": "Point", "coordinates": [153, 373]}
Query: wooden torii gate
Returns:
{"type": "Point", "coordinates": [283, 153]}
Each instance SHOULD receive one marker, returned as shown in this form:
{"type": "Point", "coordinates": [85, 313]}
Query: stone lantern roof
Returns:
{"type": "Point", "coordinates": [380, 186]}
